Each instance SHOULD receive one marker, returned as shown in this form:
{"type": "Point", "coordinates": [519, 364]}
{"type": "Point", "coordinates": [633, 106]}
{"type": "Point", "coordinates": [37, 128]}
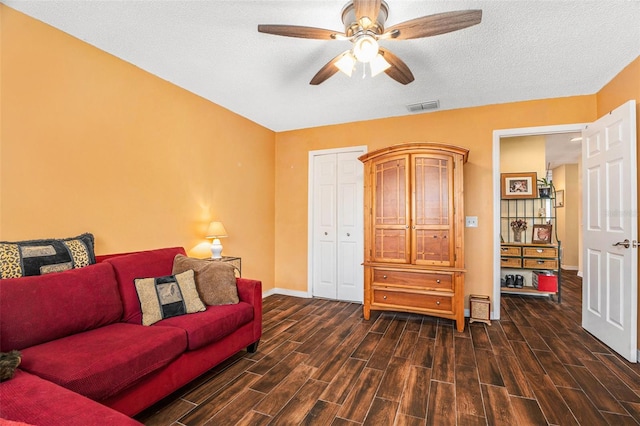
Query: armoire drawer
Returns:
{"type": "Point", "coordinates": [413, 300]}
{"type": "Point", "coordinates": [541, 263]}
{"type": "Point", "coordinates": [511, 262]}
{"type": "Point", "coordinates": [509, 251]}
{"type": "Point", "coordinates": [539, 252]}
{"type": "Point", "coordinates": [413, 279]}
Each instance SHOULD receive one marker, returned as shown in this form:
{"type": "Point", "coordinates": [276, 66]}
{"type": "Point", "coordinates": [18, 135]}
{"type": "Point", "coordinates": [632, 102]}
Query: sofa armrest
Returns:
{"type": "Point", "coordinates": [250, 291]}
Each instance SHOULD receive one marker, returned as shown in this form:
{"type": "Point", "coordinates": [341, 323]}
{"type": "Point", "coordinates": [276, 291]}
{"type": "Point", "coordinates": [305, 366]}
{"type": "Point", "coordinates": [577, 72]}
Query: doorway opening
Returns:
{"type": "Point", "coordinates": [498, 135]}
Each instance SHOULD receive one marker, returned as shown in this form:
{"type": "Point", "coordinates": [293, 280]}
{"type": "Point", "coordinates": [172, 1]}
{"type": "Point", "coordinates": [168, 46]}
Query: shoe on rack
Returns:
{"type": "Point", "coordinates": [519, 281]}
{"type": "Point", "coordinates": [511, 283]}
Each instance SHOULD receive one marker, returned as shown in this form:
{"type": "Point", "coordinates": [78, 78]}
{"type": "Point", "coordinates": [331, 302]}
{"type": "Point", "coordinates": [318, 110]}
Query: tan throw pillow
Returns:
{"type": "Point", "coordinates": [215, 281]}
{"type": "Point", "coordinates": [168, 296]}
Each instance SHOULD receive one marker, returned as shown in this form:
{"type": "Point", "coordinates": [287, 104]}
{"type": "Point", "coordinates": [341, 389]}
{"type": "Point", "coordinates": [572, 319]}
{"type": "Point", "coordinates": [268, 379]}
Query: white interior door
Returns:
{"type": "Point", "coordinates": [610, 277]}
{"type": "Point", "coordinates": [324, 226]}
{"type": "Point", "coordinates": [336, 224]}
{"type": "Point", "coordinates": [350, 280]}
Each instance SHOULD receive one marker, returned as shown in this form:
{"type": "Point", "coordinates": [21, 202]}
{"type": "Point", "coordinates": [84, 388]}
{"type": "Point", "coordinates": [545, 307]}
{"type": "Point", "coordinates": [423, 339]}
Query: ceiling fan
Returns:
{"type": "Point", "coordinates": [364, 25]}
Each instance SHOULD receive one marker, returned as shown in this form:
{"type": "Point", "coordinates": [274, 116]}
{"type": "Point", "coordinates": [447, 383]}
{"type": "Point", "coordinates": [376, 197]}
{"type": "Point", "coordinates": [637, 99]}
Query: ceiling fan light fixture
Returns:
{"type": "Point", "coordinates": [378, 64]}
{"type": "Point", "coordinates": [365, 48]}
{"type": "Point", "coordinates": [346, 63]}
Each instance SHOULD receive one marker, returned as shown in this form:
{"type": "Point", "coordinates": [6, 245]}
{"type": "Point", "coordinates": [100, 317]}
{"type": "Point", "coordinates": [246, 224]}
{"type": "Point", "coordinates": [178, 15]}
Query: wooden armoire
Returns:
{"type": "Point", "coordinates": [413, 221]}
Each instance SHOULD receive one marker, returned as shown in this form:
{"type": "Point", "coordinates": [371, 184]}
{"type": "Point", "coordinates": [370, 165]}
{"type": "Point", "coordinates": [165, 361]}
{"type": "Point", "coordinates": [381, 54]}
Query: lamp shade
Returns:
{"type": "Point", "coordinates": [216, 230]}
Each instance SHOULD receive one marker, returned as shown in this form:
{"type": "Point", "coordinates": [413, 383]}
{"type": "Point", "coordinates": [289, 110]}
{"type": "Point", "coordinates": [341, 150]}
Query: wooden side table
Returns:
{"type": "Point", "coordinates": [233, 260]}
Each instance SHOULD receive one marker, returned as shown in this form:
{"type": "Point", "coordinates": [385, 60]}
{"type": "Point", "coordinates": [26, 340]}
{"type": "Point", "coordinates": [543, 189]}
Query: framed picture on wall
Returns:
{"type": "Point", "coordinates": [541, 234]}
{"type": "Point", "coordinates": [519, 185]}
{"type": "Point", "coordinates": [560, 198]}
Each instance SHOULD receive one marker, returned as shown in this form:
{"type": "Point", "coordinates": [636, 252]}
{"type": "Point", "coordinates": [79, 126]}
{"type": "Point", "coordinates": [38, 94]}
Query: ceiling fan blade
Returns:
{"type": "Point", "coordinates": [432, 25]}
{"type": "Point", "coordinates": [300, 32]}
{"type": "Point", "coordinates": [327, 70]}
{"type": "Point", "coordinates": [399, 71]}
{"type": "Point", "coordinates": [368, 9]}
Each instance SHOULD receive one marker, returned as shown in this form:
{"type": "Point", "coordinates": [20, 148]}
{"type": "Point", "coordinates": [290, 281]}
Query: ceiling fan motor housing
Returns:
{"type": "Point", "coordinates": [352, 26]}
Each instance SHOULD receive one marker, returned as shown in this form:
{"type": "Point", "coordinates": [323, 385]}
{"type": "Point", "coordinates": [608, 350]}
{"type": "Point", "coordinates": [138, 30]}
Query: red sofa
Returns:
{"type": "Point", "coordinates": [81, 340]}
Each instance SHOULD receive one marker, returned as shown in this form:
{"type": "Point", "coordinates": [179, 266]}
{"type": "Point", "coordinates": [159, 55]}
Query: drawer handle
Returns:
{"type": "Point", "coordinates": [438, 281]}
{"type": "Point", "coordinates": [504, 249]}
{"type": "Point", "coordinates": [437, 302]}
{"type": "Point", "coordinates": [384, 297]}
{"type": "Point", "coordinates": [504, 259]}
{"type": "Point", "coordinates": [539, 250]}
{"type": "Point", "coordinates": [384, 276]}
{"type": "Point", "coordinates": [540, 262]}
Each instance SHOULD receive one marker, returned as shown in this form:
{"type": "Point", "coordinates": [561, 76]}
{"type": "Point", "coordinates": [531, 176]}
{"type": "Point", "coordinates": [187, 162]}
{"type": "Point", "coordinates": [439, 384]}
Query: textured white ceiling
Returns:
{"type": "Point", "coordinates": [522, 50]}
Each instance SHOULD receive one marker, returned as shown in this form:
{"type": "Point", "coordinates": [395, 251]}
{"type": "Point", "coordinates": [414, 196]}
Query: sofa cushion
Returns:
{"type": "Point", "coordinates": [212, 325]}
{"type": "Point", "coordinates": [39, 257]}
{"type": "Point", "coordinates": [216, 281]}
{"type": "Point", "coordinates": [168, 296]}
{"type": "Point", "coordinates": [143, 264]}
{"type": "Point", "coordinates": [33, 400]}
{"type": "Point", "coordinates": [38, 309]}
{"type": "Point", "coordinates": [102, 362]}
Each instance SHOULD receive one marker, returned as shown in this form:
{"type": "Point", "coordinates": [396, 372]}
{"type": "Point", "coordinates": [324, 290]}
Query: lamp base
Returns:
{"type": "Point", "coordinates": [216, 249]}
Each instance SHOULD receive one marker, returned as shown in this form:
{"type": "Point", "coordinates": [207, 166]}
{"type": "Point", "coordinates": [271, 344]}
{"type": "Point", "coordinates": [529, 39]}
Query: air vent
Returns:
{"type": "Point", "coordinates": [423, 106]}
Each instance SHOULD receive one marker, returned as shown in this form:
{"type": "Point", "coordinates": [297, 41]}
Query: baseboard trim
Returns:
{"type": "Point", "coordinates": [287, 292]}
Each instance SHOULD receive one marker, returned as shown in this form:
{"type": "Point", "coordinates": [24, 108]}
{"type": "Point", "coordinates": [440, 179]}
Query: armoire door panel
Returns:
{"type": "Point", "coordinates": [432, 191]}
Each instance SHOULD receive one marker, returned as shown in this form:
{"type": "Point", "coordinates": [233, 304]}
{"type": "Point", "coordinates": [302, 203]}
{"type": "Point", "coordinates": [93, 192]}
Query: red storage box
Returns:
{"type": "Point", "coordinates": [545, 281]}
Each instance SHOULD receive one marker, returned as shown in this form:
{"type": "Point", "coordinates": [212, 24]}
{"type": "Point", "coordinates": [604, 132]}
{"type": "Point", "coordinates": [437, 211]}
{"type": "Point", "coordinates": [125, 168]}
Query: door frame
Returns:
{"type": "Point", "coordinates": [497, 135]}
{"type": "Point", "coordinates": [310, 193]}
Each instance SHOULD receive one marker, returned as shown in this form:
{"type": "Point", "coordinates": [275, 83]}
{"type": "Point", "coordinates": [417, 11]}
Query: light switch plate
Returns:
{"type": "Point", "coordinates": [472, 222]}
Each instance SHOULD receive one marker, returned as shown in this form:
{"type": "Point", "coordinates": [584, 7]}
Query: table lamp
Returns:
{"type": "Point", "coordinates": [216, 231]}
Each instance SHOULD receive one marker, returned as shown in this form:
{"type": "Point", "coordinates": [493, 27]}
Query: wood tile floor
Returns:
{"type": "Point", "coordinates": [320, 363]}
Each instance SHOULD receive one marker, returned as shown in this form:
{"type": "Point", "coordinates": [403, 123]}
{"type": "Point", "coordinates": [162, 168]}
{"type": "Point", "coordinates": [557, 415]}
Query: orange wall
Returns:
{"type": "Point", "coordinates": [471, 128]}
{"type": "Point", "coordinates": [90, 143]}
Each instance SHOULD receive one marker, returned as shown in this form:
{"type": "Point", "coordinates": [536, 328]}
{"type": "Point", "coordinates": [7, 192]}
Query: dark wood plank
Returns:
{"type": "Point", "coordinates": [392, 386]}
{"type": "Point", "coordinates": [597, 393]}
{"type": "Point", "coordinates": [622, 370]}
{"type": "Point", "coordinates": [498, 404]}
{"type": "Point", "coordinates": [301, 404]}
{"type": "Point", "coordinates": [382, 412]}
{"type": "Point", "coordinates": [217, 401]}
{"type": "Point", "coordinates": [488, 369]}
{"type": "Point", "coordinates": [464, 352]}
{"type": "Point", "coordinates": [235, 411]}
{"type": "Point", "coordinates": [344, 380]}
{"type": "Point", "coordinates": [382, 353]}
{"type": "Point", "coordinates": [527, 411]}
{"type": "Point", "coordinates": [276, 374]}
{"type": "Point", "coordinates": [367, 346]}
{"type": "Point", "coordinates": [468, 394]}
{"type": "Point", "coordinates": [553, 406]}
{"type": "Point", "coordinates": [424, 352]}
{"type": "Point", "coordinates": [585, 412]}
{"type": "Point", "coordinates": [283, 391]}
{"type": "Point", "coordinates": [479, 336]}
{"type": "Point", "coordinates": [555, 369]}
{"type": "Point", "coordinates": [443, 364]}
{"type": "Point", "coordinates": [357, 404]}
{"type": "Point", "coordinates": [406, 344]}
{"type": "Point", "coordinates": [253, 418]}
{"type": "Point", "coordinates": [442, 404]}
{"type": "Point", "coordinates": [514, 377]}
{"type": "Point", "coordinates": [416, 395]}
{"type": "Point", "coordinates": [322, 413]}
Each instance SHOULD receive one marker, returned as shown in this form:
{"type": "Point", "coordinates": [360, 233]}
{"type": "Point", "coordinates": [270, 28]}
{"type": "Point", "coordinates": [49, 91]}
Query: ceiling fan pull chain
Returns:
{"type": "Point", "coordinates": [364, 71]}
